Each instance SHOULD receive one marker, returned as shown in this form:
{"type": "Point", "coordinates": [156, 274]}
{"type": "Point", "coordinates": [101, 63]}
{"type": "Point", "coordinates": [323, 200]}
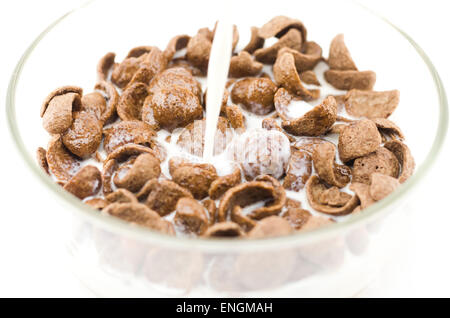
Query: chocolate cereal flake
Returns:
{"type": "Point", "coordinates": [243, 65]}
{"type": "Point", "coordinates": [358, 139]}
{"type": "Point", "coordinates": [369, 104]}
{"type": "Point", "coordinates": [347, 80]}
{"type": "Point", "coordinates": [316, 122]}
{"type": "Point", "coordinates": [85, 183]}
{"type": "Point", "coordinates": [328, 170]}
{"type": "Point", "coordinates": [404, 157]}
{"type": "Point", "coordinates": [292, 39]}
{"type": "Point", "coordinates": [339, 57]}
{"type": "Point", "coordinates": [254, 94]}
{"type": "Point", "coordinates": [190, 216]}
{"type": "Point", "coordinates": [314, 192]}
{"type": "Point", "coordinates": [381, 161]}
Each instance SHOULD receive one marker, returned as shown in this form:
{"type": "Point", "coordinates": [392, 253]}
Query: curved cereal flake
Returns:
{"type": "Point", "coordinates": [235, 116]}
{"type": "Point", "coordinates": [309, 77]}
{"type": "Point", "coordinates": [109, 168]}
{"type": "Point", "coordinates": [242, 65]}
{"type": "Point", "coordinates": [121, 196]}
{"type": "Point", "coordinates": [190, 216]}
{"type": "Point", "coordinates": [57, 117]}
{"type": "Point", "coordinates": [171, 108]}
{"type": "Point", "coordinates": [139, 51]}
{"type": "Point", "coordinates": [316, 122]}
{"type": "Point", "coordinates": [210, 206]}
{"type": "Point", "coordinates": [224, 183]}
{"type": "Point", "coordinates": [314, 192]}
{"type": "Point", "coordinates": [254, 94]}
{"type": "Point", "coordinates": [124, 152]}
{"type": "Point", "coordinates": [328, 170]}
{"type": "Point", "coordinates": [197, 178]}
{"type": "Point", "coordinates": [58, 92]}
{"type": "Point", "coordinates": [111, 97]}
{"type": "Point", "coordinates": [175, 44]}
{"type": "Point", "coordinates": [403, 154]}
{"type": "Point", "coordinates": [298, 171]}
{"type": "Point", "coordinates": [192, 137]}
{"type": "Point", "coordinates": [94, 103]}
{"type": "Point", "coordinates": [339, 57]}
{"type": "Point", "coordinates": [84, 136]}
{"type": "Point", "coordinates": [282, 99]}
{"type": "Point", "coordinates": [347, 80]}
{"type": "Point", "coordinates": [358, 139]}
{"type": "Point", "coordinates": [279, 25]}
{"type": "Point", "coordinates": [265, 189]}
{"type": "Point", "coordinates": [244, 221]}
{"type": "Point", "coordinates": [207, 32]}
{"type": "Point", "coordinates": [162, 195]}
{"type": "Point", "coordinates": [198, 50]}
{"type": "Point", "coordinates": [286, 75]}
{"type": "Point", "coordinates": [150, 64]}
{"type": "Point", "coordinates": [62, 164]}
{"type": "Point", "coordinates": [261, 152]}
{"type": "Point", "coordinates": [139, 214]}
{"type": "Point", "coordinates": [276, 205]}
{"type": "Point", "coordinates": [176, 76]}
{"type": "Point", "coordinates": [360, 103]}
{"type": "Point", "coordinates": [126, 132]}
{"type": "Point", "coordinates": [362, 191]}
{"type": "Point", "coordinates": [97, 203]}
{"type": "Point", "coordinates": [308, 58]}
{"type": "Point", "coordinates": [382, 185]}
{"type": "Point", "coordinates": [292, 39]}
{"type": "Point", "coordinates": [381, 161]}
{"type": "Point", "coordinates": [131, 102]}
{"type": "Point", "coordinates": [85, 183]}
{"type": "Point", "coordinates": [104, 66]}
{"type": "Point", "coordinates": [256, 42]}
{"type": "Point", "coordinates": [41, 157]}
{"type": "Point", "coordinates": [388, 128]}
{"type": "Point", "coordinates": [145, 167]}
{"type": "Point", "coordinates": [272, 226]}
{"type": "Point", "coordinates": [123, 73]}
{"type": "Point", "coordinates": [224, 229]}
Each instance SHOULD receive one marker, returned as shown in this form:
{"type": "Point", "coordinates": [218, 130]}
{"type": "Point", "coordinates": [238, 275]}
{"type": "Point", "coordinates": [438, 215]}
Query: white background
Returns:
{"type": "Point", "coordinates": [24, 223]}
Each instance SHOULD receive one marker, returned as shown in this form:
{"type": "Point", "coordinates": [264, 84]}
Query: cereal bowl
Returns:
{"type": "Point", "coordinates": [114, 258]}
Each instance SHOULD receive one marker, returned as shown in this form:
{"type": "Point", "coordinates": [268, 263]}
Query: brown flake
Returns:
{"type": "Point", "coordinates": [382, 161]}
{"type": "Point", "coordinates": [254, 94]}
{"type": "Point", "coordinates": [370, 104]}
{"type": "Point", "coordinates": [328, 170]}
{"type": "Point", "coordinates": [314, 191]}
{"type": "Point", "coordinates": [347, 80]}
{"type": "Point", "coordinates": [358, 139]}
{"type": "Point", "coordinates": [339, 57]}
{"type": "Point", "coordinates": [85, 183]}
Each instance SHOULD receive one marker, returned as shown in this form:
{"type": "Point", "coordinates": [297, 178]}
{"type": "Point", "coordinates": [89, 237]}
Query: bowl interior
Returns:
{"type": "Point", "coordinates": [69, 52]}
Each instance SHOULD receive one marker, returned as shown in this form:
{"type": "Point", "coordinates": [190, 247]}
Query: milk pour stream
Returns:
{"type": "Point", "coordinates": [218, 66]}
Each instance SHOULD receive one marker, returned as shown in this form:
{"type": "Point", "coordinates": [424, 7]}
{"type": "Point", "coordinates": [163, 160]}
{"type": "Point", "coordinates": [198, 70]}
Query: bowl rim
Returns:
{"type": "Point", "coordinates": [225, 245]}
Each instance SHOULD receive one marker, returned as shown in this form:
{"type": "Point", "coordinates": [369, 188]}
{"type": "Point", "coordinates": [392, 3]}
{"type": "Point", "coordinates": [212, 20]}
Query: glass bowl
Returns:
{"type": "Point", "coordinates": [114, 258]}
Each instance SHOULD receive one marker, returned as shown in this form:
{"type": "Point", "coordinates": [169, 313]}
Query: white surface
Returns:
{"type": "Point", "coordinates": [28, 229]}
